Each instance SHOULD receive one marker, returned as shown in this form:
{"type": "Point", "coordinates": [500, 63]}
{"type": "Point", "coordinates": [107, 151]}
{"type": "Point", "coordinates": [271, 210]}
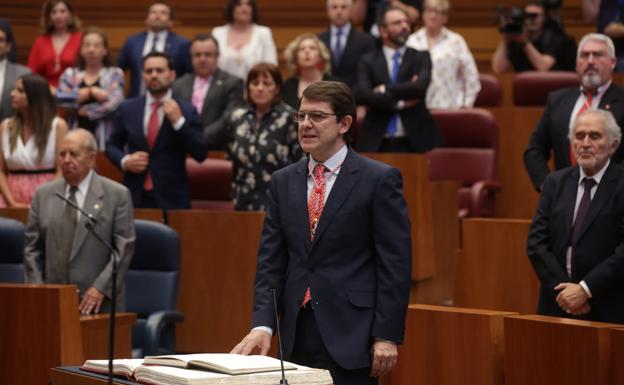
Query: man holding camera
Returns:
{"type": "Point", "coordinates": [527, 45]}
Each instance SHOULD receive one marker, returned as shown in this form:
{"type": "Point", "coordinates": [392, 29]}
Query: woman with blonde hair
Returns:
{"type": "Point", "coordinates": [454, 78]}
{"type": "Point", "coordinates": [307, 61]}
{"type": "Point", "coordinates": [57, 47]}
{"type": "Point", "coordinates": [29, 140]}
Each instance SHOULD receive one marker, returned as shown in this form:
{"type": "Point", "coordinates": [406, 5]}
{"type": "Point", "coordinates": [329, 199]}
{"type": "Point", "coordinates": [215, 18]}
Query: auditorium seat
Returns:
{"type": "Point", "coordinates": [468, 155]}
{"type": "Point", "coordinates": [152, 288]}
{"type": "Point", "coordinates": [12, 246]}
{"type": "Point", "coordinates": [210, 183]}
{"type": "Point", "coordinates": [491, 94]}
{"type": "Point", "coordinates": [531, 88]}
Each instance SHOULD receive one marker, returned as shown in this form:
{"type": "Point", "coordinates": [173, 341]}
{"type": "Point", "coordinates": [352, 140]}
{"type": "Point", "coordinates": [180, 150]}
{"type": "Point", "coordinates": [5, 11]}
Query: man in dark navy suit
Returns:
{"type": "Point", "coordinates": [392, 82]}
{"type": "Point", "coordinates": [346, 44]}
{"type": "Point", "coordinates": [157, 38]}
{"type": "Point", "coordinates": [150, 139]}
{"type": "Point", "coordinates": [336, 248]}
{"type": "Point", "coordinates": [576, 239]}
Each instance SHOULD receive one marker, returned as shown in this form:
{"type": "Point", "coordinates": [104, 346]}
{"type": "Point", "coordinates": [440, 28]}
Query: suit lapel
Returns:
{"type": "Point", "coordinates": [92, 205]}
{"type": "Point", "coordinates": [567, 112]}
{"type": "Point", "coordinates": [569, 198]}
{"type": "Point", "coordinates": [609, 99]}
{"type": "Point", "coordinates": [382, 66]}
{"type": "Point", "coordinates": [187, 88]}
{"type": "Point", "coordinates": [406, 65]}
{"type": "Point", "coordinates": [214, 89]}
{"type": "Point", "coordinates": [603, 193]}
{"type": "Point", "coordinates": [56, 211]}
{"type": "Point", "coordinates": [136, 120]}
{"type": "Point", "coordinates": [347, 177]}
{"type": "Point", "coordinates": [300, 191]}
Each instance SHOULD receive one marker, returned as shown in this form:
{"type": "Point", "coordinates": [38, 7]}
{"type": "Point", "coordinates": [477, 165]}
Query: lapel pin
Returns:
{"type": "Point", "coordinates": [96, 206]}
{"type": "Point", "coordinates": [219, 82]}
{"type": "Point", "coordinates": [607, 107]}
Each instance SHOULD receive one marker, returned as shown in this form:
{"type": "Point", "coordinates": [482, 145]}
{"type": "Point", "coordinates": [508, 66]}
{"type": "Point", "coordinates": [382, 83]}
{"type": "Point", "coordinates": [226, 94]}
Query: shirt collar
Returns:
{"type": "Point", "coordinates": [600, 90]}
{"type": "Point", "coordinates": [345, 29]}
{"type": "Point", "coordinates": [333, 163]}
{"type": "Point", "coordinates": [389, 52]}
{"type": "Point", "coordinates": [149, 99]}
{"type": "Point", "coordinates": [83, 186]}
{"type": "Point", "coordinates": [598, 176]}
{"type": "Point", "coordinates": [161, 34]}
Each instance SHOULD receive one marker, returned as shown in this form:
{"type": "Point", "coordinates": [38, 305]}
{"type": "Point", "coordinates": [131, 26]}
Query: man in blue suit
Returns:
{"type": "Point", "coordinates": [336, 249]}
{"type": "Point", "coordinates": [150, 139]}
{"type": "Point", "coordinates": [157, 38]}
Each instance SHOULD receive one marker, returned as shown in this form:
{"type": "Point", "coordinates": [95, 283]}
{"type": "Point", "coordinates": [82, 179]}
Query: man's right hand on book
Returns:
{"type": "Point", "coordinates": [255, 339]}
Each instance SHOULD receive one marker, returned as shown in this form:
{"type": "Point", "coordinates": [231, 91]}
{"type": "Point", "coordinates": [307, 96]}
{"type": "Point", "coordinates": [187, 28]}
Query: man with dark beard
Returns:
{"type": "Point", "coordinates": [152, 135]}
{"type": "Point", "coordinates": [392, 82]}
{"type": "Point", "coordinates": [595, 62]}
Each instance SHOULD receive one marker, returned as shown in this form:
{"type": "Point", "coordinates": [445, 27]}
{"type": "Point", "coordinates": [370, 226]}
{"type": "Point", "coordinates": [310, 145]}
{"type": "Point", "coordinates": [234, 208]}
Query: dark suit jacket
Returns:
{"type": "Point", "coordinates": [599, 252]}
{"type": "Point", "coordinates": [419, 126]}
{"type": "Point", "coordinates": [12, 72]}
{"type": "Point", "coordinates": [225, 93]}
{"type": "Point", "coordinates": [358, 44]}
{"type": "Point", "coordinates": [551, 132]}
{"type": "Point", "coordinates": [358, 266]}
{"type": "Point", "coordinates": [167, 160]}
{"type": "Point", "coordinates": [131, 57]}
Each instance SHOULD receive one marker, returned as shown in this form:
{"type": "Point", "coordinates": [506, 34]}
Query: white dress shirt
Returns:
{"type": "Point", "coordinates": [582, 99]}
{"type": "Point", "coordinates": [333, 36]}
{"type": "Point", "coordinates": [160, 44]}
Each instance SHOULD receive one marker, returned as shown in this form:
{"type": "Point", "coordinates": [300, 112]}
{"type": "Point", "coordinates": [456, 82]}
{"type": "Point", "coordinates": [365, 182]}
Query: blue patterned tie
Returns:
{"type": "Point", "coordinates": [394, 120]}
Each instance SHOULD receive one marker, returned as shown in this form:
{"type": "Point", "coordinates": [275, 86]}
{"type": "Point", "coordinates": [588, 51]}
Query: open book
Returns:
{"type": "Point", "coordinates": [121, 368]}
{"type": "Point", "coordinates": [220, 362]}
{"type": "Point", "coordinates": [167, 375]}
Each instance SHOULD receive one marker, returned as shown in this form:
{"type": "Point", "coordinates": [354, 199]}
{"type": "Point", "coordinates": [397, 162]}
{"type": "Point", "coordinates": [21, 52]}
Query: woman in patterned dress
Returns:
{"type": "Point", "coordinates": [454, 77]}
{"type": "Point", "coordinates": [263, 138]}
{"type": "Point", "coordinates": [94, 87]}
{"type": "Point", "coordinates": [29, 140]}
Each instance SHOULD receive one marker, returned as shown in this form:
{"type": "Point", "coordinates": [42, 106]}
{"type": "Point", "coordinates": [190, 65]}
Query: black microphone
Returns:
{"type": "Point", "coordinates": [272, 284]}
{"type": "Point", "coordinates": [111, 325]}
{"type": "Point", "coordinates": [75, 206]}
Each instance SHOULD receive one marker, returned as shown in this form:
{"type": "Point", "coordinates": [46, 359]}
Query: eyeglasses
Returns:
{"type": "Point", "coordinates": [314, 116]}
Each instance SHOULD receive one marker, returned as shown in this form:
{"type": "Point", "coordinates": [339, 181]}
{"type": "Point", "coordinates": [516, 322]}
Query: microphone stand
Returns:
{"type": "Point", "coordinates": [283, 381]}
{"type": "Point", "coordinates": [111, 325]}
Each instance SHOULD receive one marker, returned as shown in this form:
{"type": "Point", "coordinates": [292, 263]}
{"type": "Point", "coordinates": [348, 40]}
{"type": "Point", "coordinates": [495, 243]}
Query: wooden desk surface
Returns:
{"type": "Point", "coordinates": [71, 375]}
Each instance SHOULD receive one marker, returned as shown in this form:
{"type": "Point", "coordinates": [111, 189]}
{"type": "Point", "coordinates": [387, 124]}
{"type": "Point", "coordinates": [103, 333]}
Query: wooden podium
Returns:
{"type": "Point", "coordinates": [41, 328]}
{"type": "Point", "coordinates": [493, 270]}
{"type": "Point", "coordinates": [542, 350]}
{"type": "Point", "coordinates": [450, 346]}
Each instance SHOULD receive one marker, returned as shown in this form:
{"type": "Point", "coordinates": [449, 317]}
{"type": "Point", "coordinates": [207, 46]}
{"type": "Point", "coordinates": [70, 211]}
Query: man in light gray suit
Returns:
{"type": "Point", "coordinates": [59, 248]}
{"type": "Point", "coordinates": [9, 72]}
{"type": "Point", "coordinates": [212, 91]}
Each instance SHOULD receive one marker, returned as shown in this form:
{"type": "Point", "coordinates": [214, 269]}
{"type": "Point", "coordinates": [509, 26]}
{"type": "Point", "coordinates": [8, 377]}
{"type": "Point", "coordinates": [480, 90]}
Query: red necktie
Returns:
{"type": "Point", "coordinates": [315, 209]}
{"type": "Point", "coordinates": [153, 125]}
{"type": "Point", "coordinates": [586, 106]}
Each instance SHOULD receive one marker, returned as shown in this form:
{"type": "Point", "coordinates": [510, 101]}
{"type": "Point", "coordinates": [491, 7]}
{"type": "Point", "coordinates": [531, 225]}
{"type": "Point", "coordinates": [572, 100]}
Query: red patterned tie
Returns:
{"type": "Point", "coordinates": [586, 106]}
{"type": "Point", "coordinates": [315, 209]}
{"type": "Point", "coordinates": [153, 125]}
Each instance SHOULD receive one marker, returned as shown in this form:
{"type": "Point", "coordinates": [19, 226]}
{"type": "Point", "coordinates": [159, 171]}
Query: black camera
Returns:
{"type": "Point", "coordinates": [511, 20]}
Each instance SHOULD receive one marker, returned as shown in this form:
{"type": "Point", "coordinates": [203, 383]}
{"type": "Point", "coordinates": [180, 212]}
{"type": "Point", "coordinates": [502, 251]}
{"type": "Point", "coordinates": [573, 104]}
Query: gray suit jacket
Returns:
{"type": "Point", "coordinates": [225, 93]}
{"type": "Point", "coordinates": [13, 71]}
{"type": "Point", "coordinates": [90, 262]}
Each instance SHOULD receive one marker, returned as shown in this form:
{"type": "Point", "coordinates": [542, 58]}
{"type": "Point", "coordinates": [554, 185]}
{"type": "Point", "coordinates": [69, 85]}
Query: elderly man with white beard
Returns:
{"type": "Point", "coordinates": [595, 62]}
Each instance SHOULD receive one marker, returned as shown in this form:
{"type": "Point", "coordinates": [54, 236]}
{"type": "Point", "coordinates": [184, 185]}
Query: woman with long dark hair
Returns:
{"type": "Point", "coordinates": [56, 48]}
{"type": "Point", "coordinates": [29, 141]}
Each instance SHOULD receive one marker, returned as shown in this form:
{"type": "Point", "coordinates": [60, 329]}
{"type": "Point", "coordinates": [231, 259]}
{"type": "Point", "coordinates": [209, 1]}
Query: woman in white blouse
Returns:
{"type": "Point", "coordinates": [242, 42]}
{"type": "Point", "coordinates": [455, 78]}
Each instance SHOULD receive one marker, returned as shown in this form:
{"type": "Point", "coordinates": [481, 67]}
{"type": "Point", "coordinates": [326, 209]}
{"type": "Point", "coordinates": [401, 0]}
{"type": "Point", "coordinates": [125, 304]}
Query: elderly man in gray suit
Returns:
{"type": "Point", "coordinates": [9, 72]}
{"type": "Point", "coordinates": [212, 91]}
{"type": "Point", "coordinates": [58, 247]}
